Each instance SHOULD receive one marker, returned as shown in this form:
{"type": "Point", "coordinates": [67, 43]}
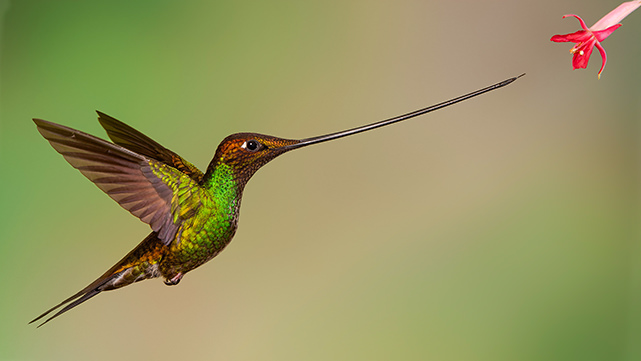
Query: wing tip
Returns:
{"type": "Point", "coordinates": [39, 121]}
{"type": "Point", "coordinates": [102, 117]}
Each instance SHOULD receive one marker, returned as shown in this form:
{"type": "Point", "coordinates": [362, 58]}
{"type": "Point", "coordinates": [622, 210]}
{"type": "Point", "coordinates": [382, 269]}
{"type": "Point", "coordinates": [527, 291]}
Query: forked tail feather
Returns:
{"type": "Point", "coordinates": [139, 264]}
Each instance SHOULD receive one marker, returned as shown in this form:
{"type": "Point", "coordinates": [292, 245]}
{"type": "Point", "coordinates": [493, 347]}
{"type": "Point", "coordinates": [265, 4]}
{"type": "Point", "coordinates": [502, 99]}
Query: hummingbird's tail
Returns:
{"type": "Point", "coordinates": [139, 264]}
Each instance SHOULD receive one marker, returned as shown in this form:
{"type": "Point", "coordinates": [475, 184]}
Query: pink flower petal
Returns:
{"type": "Point", "coordinates": [604, 57]}
{"type": "Point", "coordinates": [615, 16]}
{"type": "Point", "coordinates": [602, 34]}
{"type": "Point", "coordinates": [585, 27]}
{"type": "Point", "coordinates": [576, 37]}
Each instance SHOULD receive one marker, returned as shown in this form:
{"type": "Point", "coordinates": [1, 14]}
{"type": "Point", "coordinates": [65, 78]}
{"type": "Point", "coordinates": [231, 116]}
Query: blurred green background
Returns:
{"type": "Point", "coordinates": [504, 228]}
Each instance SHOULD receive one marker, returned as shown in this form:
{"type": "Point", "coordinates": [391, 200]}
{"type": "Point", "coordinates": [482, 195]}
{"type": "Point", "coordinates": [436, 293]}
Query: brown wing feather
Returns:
{"type": "Point", "coordinates": [128, 137]}
{"type": "Point", "coordinates": [127, 177]}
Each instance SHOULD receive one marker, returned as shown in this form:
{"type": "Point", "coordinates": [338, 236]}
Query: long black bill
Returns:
{"type": "Point", "coordinates": [400, 118]}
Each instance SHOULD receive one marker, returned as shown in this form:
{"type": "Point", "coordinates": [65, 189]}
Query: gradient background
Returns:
{"type": "Point", "coordinates": [504, 228]}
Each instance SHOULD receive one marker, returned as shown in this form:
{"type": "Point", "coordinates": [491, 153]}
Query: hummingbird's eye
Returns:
{"type": "Point", "coordinates": [252, 145]}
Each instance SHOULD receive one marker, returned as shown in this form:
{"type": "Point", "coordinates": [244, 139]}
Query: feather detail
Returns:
{"type": "Point", "coordinates": [143, 186]}
{"type": "Point", "coordinates": [128, 137]}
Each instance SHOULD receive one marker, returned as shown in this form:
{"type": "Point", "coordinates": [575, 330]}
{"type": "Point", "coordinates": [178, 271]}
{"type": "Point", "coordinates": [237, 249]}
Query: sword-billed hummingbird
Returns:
{"type": "Point", "coordinates": [193, 216]}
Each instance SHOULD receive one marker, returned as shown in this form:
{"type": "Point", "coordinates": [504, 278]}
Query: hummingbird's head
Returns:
{"type": "Point", "coordinates": [245, 153]}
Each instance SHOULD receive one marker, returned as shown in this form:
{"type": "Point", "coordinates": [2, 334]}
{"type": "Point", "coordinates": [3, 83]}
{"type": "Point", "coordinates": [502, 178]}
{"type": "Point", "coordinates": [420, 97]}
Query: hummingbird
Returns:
{"type": "Point", "coordinates": [192, 215]}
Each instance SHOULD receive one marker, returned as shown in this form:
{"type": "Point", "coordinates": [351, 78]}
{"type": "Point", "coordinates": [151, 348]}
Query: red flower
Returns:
{"type": "Point", "coordinates": [588, 38]}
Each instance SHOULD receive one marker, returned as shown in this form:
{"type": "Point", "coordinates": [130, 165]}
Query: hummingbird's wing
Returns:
{"type": "Point", "coordinates": [157, 193]}
{"type": "Point", "coordinates": [128, 137]}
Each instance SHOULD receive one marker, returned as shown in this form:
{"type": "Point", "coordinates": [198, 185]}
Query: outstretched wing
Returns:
{"type": "Point", "coordinates": [158, 194]}
{"type": "Point", "coordinates": [128, 137]}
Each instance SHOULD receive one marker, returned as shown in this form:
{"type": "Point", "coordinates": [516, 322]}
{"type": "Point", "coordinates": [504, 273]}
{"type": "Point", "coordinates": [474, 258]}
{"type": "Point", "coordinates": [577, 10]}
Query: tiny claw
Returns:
{"type": "Point", "coordinates": [174, 280]}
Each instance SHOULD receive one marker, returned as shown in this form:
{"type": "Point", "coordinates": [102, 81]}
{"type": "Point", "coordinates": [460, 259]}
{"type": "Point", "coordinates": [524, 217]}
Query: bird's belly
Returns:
{"type": "Point", "coordinates": [195, 244]}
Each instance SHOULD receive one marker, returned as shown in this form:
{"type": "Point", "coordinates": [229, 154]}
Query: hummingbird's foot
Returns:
{"type": "Point", "coordinates": [174, 280]}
